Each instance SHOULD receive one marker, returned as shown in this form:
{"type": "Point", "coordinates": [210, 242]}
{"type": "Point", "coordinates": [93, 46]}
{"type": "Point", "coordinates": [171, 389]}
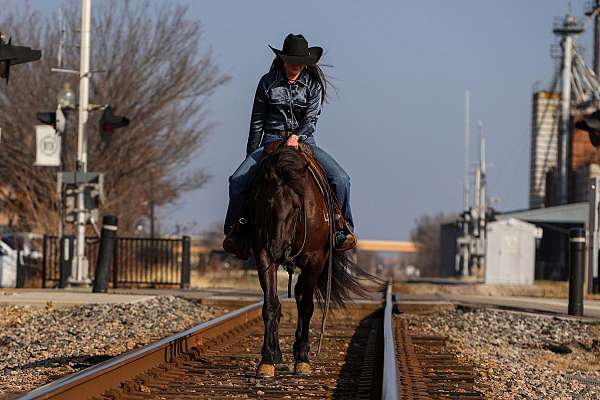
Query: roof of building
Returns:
{"type": "Point", "coordinates": [568, 213]}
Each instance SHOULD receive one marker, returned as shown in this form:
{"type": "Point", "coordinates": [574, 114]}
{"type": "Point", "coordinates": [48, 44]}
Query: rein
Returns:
{"type": "Point", "coordinates": [289, 265]}
{"type": "Point", "coordinates": [330, 209]}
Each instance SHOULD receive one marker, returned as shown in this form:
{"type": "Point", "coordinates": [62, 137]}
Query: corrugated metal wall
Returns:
{"type": "Point", "coordinates": [544, 135]}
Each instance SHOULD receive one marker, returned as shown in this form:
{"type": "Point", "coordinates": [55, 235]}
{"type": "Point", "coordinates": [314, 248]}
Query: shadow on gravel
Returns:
{"type": "Point", "coordinates": [361, 374]}
{"type": "Point", "coordinates": [77, 362]}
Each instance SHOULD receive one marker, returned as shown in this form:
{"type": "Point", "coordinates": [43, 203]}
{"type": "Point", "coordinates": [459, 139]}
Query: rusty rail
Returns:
{"type": "Point", "coordinates": [97, 379]}
{"type": "Point", "coordinates": [390, 387]}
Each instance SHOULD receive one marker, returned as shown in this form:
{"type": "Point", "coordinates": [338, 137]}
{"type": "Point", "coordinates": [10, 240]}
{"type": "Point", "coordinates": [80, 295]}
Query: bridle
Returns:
{"type": "Point", "coordinates": [299, 216]}
{"type": "Point", "coordinates": [288, 263]}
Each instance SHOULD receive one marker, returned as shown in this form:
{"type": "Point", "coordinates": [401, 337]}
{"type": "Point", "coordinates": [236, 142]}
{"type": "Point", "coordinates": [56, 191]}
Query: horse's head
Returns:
{"type": "Point", "coordinates": [280, 208]}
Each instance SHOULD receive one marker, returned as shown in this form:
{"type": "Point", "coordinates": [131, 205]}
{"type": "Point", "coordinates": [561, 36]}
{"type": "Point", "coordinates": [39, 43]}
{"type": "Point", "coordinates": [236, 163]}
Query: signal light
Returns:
{"type": "Point", "coordinates": [109, 122]}
{"type": "Point", "coordinates": [13, 55]}
{"type": "Point", "coordinates": [47, 118]}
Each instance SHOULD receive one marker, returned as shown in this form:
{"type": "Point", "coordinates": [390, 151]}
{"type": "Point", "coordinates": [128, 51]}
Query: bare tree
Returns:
{"type": "Point", "coordinates": [426, 234]}
{"type": "Point", "coordinates": [153, 69]}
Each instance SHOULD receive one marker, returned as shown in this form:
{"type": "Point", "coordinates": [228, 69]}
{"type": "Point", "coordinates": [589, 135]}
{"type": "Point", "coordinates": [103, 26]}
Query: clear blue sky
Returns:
{"type": "Point", "coordinates": [396, 125]}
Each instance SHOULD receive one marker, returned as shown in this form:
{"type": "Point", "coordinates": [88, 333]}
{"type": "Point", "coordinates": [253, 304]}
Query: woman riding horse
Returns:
{"type": "Point", "coordinates": [286, 107]}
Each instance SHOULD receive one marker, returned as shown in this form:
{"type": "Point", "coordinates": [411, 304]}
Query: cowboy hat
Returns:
{"type": "Point", "coordinates": [296, 51]}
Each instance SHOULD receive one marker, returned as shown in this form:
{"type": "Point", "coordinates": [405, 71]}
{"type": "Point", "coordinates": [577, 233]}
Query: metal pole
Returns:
{"type": "Point", "coordinates": [61, 38]}
{"type": "Point", "coordinates": [466, 182]}
{"type": "Point", "coordinates": [44, 259]}
{"type": "Point", "coordinates": [482, 206]}
{"type": "Point", "coordinates": [594, 201]}
{"type": "Point", "coordinates": [185, 262]}
{"type": "Point", "coordinates": [477, 195]}
{"type": "Point", "coordinates": [565, 121]}
{"type": "Point", "coordinates": [482, 194]}
{"type": "Point", "coordinates": [80, 275]}
{"type": "Point", "coordinates": [106, 253]}
{"type": "Point", "coordinates": [66, 259]}
{"type": "Point", "coordinates": [597, 39]}
{"type": "Point", "coordinates": [576, 271]}
{"type": "Point", "coordinates": [466, 242]}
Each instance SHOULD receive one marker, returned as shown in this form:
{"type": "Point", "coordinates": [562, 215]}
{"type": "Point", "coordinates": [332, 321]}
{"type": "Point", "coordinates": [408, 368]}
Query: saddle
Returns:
{"type": "Point", "coordinates": [238, 242]}
{"type": "Point", "coordinates": [320, 177]}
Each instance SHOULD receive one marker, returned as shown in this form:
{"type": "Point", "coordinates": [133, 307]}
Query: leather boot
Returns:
{"type": "Point", "coordinates": [345, 241]}
{"type": "Point", "coordinates": [237, 242]}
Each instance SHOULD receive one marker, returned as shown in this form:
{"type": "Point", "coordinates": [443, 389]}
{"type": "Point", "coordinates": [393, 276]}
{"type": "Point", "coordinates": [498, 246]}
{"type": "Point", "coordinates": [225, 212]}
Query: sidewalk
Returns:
{"type": "Point", "coordinates": [77, 296]}
{"type": "Point", "coordinates": [63, 298]}
{"type": "Point", "coordinates": [539, 304]}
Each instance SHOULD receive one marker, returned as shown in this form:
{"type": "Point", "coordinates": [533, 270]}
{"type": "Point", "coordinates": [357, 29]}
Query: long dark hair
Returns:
{"type": "Point", "coordinates": [314, 71]}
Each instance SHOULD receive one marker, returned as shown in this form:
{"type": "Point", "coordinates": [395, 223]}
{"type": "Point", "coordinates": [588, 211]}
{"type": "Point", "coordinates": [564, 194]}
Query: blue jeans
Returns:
{"type": "Point", "coordinates": [239, 182]}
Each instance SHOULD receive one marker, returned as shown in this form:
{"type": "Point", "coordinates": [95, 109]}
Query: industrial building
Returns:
{"type": "Point", "coordinates": [563, 166]}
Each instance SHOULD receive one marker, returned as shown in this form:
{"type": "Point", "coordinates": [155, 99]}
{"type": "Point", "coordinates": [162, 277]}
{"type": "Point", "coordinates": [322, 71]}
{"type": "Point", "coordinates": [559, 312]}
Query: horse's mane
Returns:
{"type": "Point", "coordinates": [285, 166]}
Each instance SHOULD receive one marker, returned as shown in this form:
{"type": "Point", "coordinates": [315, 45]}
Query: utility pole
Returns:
{"type": "Point", "coordinates": [61, 38]}
{"type": "Point", "coordinates": [596, 38]}
{"type": "Point", "coordinates": [80, 275]}
{"type": "Point", "coordinates": [464, 242]}
{"type": "Point", "coordinates": [477, 195]}
{"type": "Point", "coordinates": [593, 11]}
{"type": "Point", "coordinates": [481, 204]}
{"type": "Point", "coordinates": [565, 28]}
{"type": "Point", "coordinates": [482, 193]}
{"type": "Point", "coordinates": [466, 181]}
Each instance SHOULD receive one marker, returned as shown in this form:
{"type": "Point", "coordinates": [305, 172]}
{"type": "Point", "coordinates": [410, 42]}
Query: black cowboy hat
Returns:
{"type": "Point", "coordinates": [296, 51]}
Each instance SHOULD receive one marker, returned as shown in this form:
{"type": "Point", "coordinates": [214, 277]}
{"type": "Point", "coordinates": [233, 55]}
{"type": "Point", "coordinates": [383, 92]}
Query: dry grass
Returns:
{"type": "Point", "coordinates": [547, 289]}
{"type": "Point", "coordinates": [235, 279]}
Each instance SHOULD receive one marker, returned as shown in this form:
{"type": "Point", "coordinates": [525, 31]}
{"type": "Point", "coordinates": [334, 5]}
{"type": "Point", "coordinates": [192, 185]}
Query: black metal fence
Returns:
{"type": "Point", "coordinates": [137, 262]}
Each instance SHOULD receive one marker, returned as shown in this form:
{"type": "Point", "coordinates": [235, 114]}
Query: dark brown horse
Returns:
{"type": "Point", "coordinates": [292, 226]}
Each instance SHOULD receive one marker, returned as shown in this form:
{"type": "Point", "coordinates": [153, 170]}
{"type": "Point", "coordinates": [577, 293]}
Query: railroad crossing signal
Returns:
{"type": "Point", "coordinates": [109, 122]}
{"type": "Point", "coordinates": [13, 55]}
{"type": "Point", "coordinates": [92, 185]}
{"type": "Point", "coordinates": [591, 124]}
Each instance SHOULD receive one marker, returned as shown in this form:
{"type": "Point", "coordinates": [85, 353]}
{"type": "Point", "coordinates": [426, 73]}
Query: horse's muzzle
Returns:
{"type": "Point", "coordinates": [280, 252]}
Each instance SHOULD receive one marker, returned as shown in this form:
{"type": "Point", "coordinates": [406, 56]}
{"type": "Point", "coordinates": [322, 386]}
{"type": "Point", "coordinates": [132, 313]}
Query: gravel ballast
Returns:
{"type": "Point", "coordinates": [520, 355]}
{"type": "Point", "coordinates": [38, 346]}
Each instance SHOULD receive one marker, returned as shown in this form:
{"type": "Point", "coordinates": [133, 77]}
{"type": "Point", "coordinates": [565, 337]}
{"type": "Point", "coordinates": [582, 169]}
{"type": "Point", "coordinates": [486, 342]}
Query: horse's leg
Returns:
{"type": "Point", "coordinates": [304, 292]}
{"type": "Point", "coordinates": [271, 312]}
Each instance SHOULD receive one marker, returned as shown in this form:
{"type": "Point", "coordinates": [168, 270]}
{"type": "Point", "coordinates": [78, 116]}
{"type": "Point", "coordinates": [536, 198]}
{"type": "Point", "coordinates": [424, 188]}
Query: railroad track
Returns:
{"type": "Point", "coordinates": [366, 355]}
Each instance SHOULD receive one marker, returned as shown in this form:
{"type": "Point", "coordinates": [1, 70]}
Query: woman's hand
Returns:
{"type": "Point", "coordinates": [292, 141]}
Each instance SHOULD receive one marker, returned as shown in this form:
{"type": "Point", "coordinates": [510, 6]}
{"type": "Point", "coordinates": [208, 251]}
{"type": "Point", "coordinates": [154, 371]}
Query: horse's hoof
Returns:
{"type": "Point", "coordinates": [302, 368]}
{"type": "Point", "coordinates": [265, 370]}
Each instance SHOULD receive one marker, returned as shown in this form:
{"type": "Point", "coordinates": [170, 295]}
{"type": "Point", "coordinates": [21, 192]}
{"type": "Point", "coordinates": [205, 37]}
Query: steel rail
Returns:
{"type": "Point", "coordinates": [390, 388]}
{"type": "Point", "coordinates": [95, 380]}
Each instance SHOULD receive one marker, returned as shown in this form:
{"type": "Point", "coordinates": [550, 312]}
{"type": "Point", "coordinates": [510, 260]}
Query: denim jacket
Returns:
{"type": "Point", "coordinates": [281, 106]}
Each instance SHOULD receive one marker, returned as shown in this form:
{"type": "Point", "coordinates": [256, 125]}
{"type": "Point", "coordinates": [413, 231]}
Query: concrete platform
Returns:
{"type": "Point", "coordinates": [63, 298]}
{"type": "Point", "coordinates": [234, 298]}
